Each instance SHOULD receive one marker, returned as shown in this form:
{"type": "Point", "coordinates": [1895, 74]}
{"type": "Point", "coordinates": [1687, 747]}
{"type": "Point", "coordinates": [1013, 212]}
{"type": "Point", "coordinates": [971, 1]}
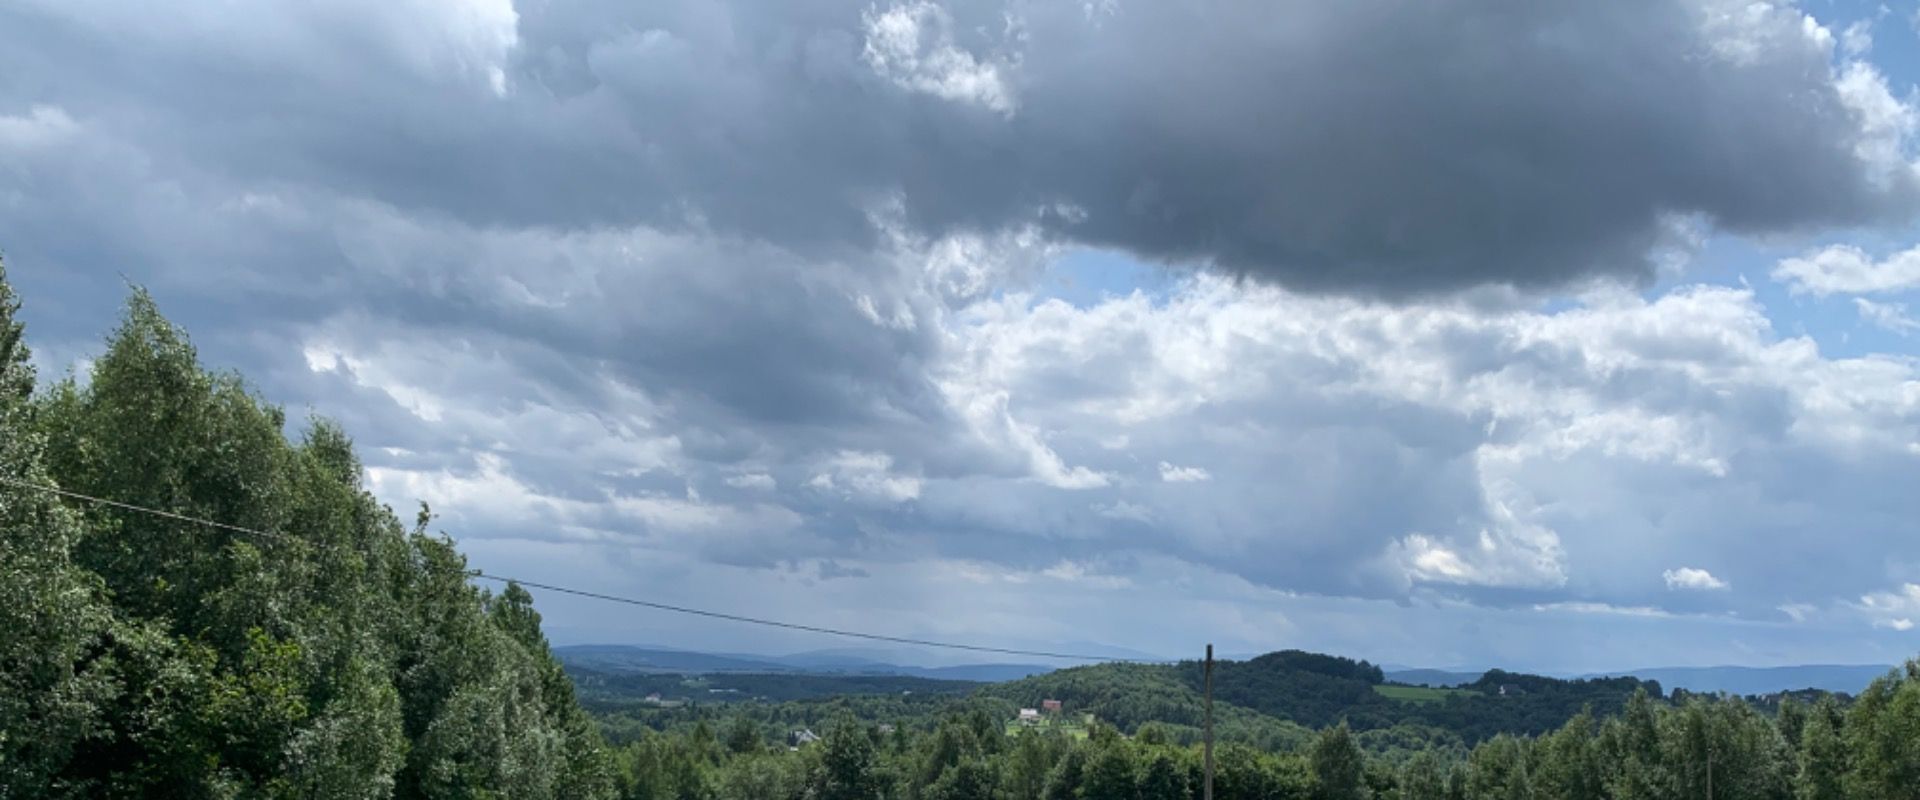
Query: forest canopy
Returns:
{"type": "Point", "coordinates": [347, 655]}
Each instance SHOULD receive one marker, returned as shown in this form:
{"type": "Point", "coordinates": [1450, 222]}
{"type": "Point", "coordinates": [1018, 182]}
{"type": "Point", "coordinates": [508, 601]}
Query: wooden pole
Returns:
{"type": "Point", "coordinates": [1207, 787]}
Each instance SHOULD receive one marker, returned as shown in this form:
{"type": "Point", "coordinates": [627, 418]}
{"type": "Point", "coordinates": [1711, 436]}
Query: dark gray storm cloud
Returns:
{"type": "Point", "coordinates": [1381, 147]}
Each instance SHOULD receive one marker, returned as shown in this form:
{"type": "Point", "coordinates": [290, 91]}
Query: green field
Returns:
{"type": "Point", "coordinates": [1416, 694]}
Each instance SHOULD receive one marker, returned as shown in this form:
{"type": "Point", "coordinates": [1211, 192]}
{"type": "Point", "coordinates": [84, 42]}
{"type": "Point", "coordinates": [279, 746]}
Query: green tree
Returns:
{"type": "Point", "coordinates": [52, 694]}
{"type": "Point", "coordinates": [1883, 737]}
{"type": "Point", "coordinates": [971, 779]}
{"type": "Point", "coordinates": [1064, 781]}
{"type": "Point", "coordinates": [743, 736]}
{"type": "Point", "coordinates": [762, 776]}
{"type": "Point", "coordinates": [1164, 778]}
{"type": "Point", "coordinates": [848, 768]}
{"type": "Point", "coordinates": [1498, 770]}
{"type": "Point", "coordinates": [1567, 764]}
{"type": "Point", "coordinates": [1823, 758]}
{"type": "Point", "coordinates": [1110, 774]}
{"type": "Point", "coordinates": [1423, 778]}
{"type": "Point", "coordinates": [305, 646]}
{"type": "Point", "coordinates": [1338, 765]}
{"type": "Point", "coordinates": [1631, 749]}
{"type": "Point", "coordinates": [1791, 719]}
{"type": "Point", "coordinates": [1028, 761]}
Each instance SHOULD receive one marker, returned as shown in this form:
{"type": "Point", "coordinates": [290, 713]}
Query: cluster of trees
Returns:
{"type": "Point", "coordinates": [1130, 696]}
{"type": "Point", "coordinates": [1275, 701]}
{"type": "Point", "coordinates": [1320, 690]}
{"type": "Point", "coordinates": [1703, 747]}
{"type": "Point", "coordinates": [344, 656]}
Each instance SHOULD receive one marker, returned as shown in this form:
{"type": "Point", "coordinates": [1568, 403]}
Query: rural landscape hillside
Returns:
{"type": "Point", "coordinates": [1288, 724]}
{"type": "Point", "coordinates": [315, 646]}
{"type": "Point", "coordinates": [959, 400]}
{"type": "Point", "coordinates": [1274, 700]}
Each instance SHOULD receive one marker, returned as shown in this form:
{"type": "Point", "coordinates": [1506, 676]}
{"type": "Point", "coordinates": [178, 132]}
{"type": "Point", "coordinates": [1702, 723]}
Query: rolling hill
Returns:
{"type": "Point", "coordinates": [1309, 690]}
{"type": "Point", "coordinates": [1271, 700]}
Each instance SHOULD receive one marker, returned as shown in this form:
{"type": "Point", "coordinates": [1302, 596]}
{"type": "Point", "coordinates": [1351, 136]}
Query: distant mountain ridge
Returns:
{"type": "Point", "coordinates": [627, 659]}
{"type": "Point", "coordinates": [1848, 678]}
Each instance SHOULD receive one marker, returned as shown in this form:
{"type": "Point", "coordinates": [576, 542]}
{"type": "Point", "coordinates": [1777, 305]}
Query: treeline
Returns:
{"type": "Point", "coordinates": [1320, 690]}
{"type": "Point", "coordinates": [1275, 700]}
{"type": "Point", "coordinates": [345, 656]}
{"type": "Point", "coordinates": [1130, 696]}
{"type": "Point", "coordinates": [1718, 748]}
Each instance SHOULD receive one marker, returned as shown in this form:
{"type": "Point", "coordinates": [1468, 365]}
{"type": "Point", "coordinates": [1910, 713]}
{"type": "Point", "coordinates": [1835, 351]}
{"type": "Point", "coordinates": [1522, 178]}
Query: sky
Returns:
{"type": "Point", "coordinates": [1557, 335]}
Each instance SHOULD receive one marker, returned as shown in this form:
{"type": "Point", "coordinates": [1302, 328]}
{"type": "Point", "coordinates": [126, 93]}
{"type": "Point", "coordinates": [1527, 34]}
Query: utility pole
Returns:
{"type": "Point", "coordinates": [1207, 787]}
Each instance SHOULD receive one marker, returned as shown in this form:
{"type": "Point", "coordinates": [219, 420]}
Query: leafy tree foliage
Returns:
{"type": "Point", "coordinates": [1313, 691]}
{"type": "Point", "coordinates": [1822, 766]}
{"type": "Point", "coordinates": [340, 656]}
{"type": "Point", "coordinates": [54, 695]}
{"type": "Point", "coordinates": [1338, 765]}
{"type": "Point", "coordinates": [1706, 747]}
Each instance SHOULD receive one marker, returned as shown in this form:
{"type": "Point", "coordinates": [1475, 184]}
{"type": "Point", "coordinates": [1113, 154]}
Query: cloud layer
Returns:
{"type": "Point", "coordinates": [767, 305]}
{"type": "Point", "coordinates": [1366, 147]}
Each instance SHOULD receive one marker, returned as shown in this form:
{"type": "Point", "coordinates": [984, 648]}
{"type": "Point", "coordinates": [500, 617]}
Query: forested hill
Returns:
{"type": "Point", "coordinates": [345, 656]}
{"type": "Point", "coordinates": [1315, 691]}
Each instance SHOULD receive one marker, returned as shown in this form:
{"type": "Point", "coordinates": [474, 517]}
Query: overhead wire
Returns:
{"type": "Point", "coordinates": [658, 606]}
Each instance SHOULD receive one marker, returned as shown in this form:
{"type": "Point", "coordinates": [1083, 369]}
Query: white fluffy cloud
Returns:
{"type": "Point", "coordinates": [1848, 269]}
{"type": "Point", "coordinates": [1895, 610]}
{"type": "Point", "coordinates": [913, 45]}
{"type": "Point", "coordinates": [863, 474]}
{"type": "Point", "coordinates": [1692, 579]}
{"type": "Point", "coordinates": [1173, 474]}
{"type": "Point", "coordinates": [1888, 316]}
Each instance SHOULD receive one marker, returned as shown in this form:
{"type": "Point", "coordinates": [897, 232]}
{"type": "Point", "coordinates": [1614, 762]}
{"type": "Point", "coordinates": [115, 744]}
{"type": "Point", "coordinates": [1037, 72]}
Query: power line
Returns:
{"type": "Point", "coordinates": [585, 593]}
{"type": "Point", "coordinates": [797, 626]}
{"type": "Point", "coordinates": [144, 510]}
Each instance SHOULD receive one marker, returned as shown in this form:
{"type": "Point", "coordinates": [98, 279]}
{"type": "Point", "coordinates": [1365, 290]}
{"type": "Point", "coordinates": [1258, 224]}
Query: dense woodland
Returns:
{"type": "Point", "coordinates": [345, 656]}
{"type": "Point", "coordinates": [942, 749]}
{"type": "Point", "coordinates": [348, 655]}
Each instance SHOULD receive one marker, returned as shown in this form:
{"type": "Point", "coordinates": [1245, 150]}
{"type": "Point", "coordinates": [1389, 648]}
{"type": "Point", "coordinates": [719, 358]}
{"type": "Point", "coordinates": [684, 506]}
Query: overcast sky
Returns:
{"type": "Point", "coordinates": [1560, 335]}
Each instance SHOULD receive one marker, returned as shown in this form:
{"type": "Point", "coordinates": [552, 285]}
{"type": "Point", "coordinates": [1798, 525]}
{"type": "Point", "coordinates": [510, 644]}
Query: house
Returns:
{"type": "Point", "coordinates": [1029, 716]}
{"type": "Point", "coordinates": [802, 736]}
{"type": "Point", "coordinates": [1050, 706]}
{"type": "Point", "coordinates": [1511, 689]}
{"type": "Point", "coordinates": [654, 698]}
